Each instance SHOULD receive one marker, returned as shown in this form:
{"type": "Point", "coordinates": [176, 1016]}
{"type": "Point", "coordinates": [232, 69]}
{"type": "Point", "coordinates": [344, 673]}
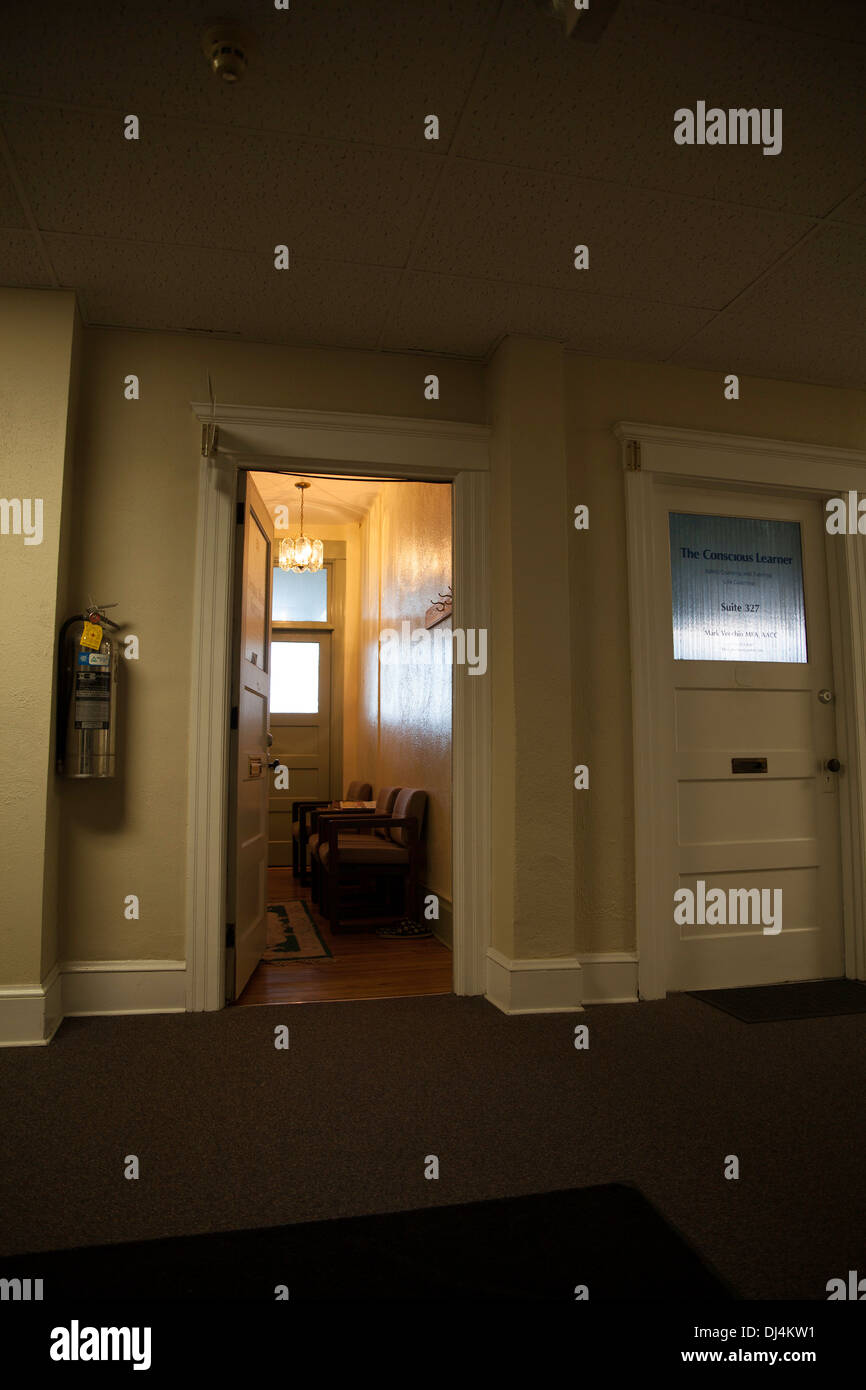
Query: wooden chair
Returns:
{"type": "Point", "coordinates": [301, 810]}
{"type": "Point", "coordinates": [384, 806]}
{"type": "Point", "coordinates": [387, 848]}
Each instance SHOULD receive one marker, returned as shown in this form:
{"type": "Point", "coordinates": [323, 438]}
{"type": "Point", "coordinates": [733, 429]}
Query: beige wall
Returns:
{"type": "Point", "coordinates": [135, 517]}
{"type": "Point", "coordinates": [599, 393]}
{"type": "Point", "coordinates": [404, 709]}
{"type": "Point", "coordinates": [559, 655]}
{"type": "Point", "coordinates": [530, 657]}
{"type": "Point", "coordinates": [38, 353]}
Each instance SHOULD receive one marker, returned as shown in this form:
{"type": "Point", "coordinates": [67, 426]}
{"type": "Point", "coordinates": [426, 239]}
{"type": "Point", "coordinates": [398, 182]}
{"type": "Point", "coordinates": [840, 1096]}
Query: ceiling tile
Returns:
{"type": "Point", "coordinates": [808, 318]}
{"type": "Point", "coordinates": [11, 211]}
{"type": "Point", "coordinates": [606, 110]}
{"type": "Point", "coordinates": [334, 68]}
{"type": "Point", "coordinates": [561, 142]}
{"type": "Point", "coordinates": [852, 210]}
{"type": "Point", "coordinates": [838, 19]}
{"type": "Point", "coordinates": [837, 359]}
{"type": "Point", "coordinates": [177, 287]}
{"type": "Point", "coordinates": [822, 282]}
{"type": "Point", "coordinates": [437, 313]}
{"type": "Point", "coordinates": [21, 265]}
{"type": "Point", "coordinates": [188, 184]}
{"type": "Point", "coordinates": [510, 224]}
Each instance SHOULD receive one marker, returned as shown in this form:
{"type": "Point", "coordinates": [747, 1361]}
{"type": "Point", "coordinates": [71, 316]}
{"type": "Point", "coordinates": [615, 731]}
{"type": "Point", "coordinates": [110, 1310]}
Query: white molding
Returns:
{"type": "Point", "coordinates": [742, 458]}
{"type": "Point", "coordinates": [210, 698]}
{"type": "Point", "coordinates": [550, 985]}
{"type": "Point", "coordinates": [92, 987]}
{"type": "Point", "coordinates": [609, 977]}
{"type": "Point", "coordinates": [846, 578]}
{"type": "Point", "coordinates": [471, 811]}
{"type": "Point", "coordinates": [31, 1014]}
{"type": "Point", "coordinates": [803, 469]}
{"type": "Point", "coordinates": [249, 434]}
{"type": "Point", "coordinates": [369, 445]}
{"type": "Point", "coordinates": [644, 641]}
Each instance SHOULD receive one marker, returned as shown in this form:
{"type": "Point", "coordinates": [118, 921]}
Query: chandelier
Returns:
{"type": "Point", "coordinates": [299, 553]}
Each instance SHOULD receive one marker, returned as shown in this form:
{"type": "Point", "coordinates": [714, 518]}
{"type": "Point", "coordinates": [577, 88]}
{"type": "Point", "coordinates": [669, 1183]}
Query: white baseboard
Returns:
{"type": "Point", "coordinates": [561, 984]}
{"type": "Point", "coordinates": [609, 977]}
{"type": "Point", "coordinates": [92, 987]}
{"type": "Point", "coordinates": [548, 986]}
{"type": "Point", "coordinates": [31, 1014]}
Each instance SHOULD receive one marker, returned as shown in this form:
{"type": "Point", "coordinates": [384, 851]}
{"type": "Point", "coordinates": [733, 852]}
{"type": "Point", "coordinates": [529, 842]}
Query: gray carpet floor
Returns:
{"type": "Point", "coordinates": [231, 1133]}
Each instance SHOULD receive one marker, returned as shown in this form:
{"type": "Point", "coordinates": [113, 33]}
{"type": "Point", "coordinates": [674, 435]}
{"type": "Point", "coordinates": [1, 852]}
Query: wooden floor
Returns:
{"type": "Point", "coordinates": [364, 965]}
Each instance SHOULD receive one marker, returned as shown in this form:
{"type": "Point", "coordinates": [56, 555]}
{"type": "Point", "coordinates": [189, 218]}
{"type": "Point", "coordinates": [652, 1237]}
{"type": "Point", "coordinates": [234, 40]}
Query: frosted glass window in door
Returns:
{"type": "Point", "coordinates": [300, 598]}
{"type": "Point", "coordinates": [294, 677]}
{"type": "Point", "coordinates": [737, 589]}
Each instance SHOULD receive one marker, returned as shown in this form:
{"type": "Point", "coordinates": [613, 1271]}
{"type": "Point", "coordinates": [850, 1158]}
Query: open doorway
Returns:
{"type": "Point", "coordinates": [339, 863]}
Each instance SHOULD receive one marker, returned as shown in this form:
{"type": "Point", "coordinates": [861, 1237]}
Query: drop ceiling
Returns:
{"type": "Point", "coordinates": [714, 257]}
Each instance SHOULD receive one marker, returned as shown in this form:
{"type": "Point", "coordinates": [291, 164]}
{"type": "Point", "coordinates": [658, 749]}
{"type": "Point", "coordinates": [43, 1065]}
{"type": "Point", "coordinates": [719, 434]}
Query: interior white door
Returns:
{"type": "Point", "coordinates": [248, 856]}
{"type": "Point", "coordinates": [301, 726]}
{"type": "Point", "coordinates": [748, 683]}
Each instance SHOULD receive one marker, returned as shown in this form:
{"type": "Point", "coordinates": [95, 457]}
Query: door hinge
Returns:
{"type": "Point", "coordinates": [239, 513]}
{"type": "Point", "coordinates": [632, 462]}
{"type": "Point", "coordinates": [230, 934]}
{"type": "Point", "coordinates": [233, 717]}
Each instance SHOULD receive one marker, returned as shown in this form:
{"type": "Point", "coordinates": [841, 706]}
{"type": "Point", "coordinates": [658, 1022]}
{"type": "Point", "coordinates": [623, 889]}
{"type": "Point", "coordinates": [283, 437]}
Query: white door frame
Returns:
{"type": "Point", "coordinates": [655, 454]}
{"type": "Point", "coordinates": [363, 446]}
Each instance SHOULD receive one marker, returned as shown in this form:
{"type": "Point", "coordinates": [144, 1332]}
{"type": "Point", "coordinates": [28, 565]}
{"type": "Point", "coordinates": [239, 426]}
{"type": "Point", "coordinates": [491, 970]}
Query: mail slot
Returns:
{"type": "Point", "coordinates": [748, 764]}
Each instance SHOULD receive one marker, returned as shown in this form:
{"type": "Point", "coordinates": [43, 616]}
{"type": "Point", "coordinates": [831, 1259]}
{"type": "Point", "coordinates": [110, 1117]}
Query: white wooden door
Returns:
{"type": "Point", "coordinates": [749, 689]}
{"type": "Point", "coordinates": [247, 906]}
{"type": "Point", "coordinates": [301, 726]}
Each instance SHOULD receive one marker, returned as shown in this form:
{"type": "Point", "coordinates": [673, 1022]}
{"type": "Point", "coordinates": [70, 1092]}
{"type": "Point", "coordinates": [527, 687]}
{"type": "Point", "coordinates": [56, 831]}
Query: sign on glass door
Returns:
{"type": "Point", "coordinates": [737, 586]}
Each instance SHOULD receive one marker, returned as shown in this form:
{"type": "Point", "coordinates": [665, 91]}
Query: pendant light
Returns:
{"type": "Point", "coordinates": [298, 553]}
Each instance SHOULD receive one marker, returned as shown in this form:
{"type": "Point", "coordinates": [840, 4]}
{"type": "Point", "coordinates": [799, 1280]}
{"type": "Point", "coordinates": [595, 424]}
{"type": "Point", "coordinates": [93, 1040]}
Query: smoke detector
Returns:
{"type": "Point", "coordinates": [226, 47]}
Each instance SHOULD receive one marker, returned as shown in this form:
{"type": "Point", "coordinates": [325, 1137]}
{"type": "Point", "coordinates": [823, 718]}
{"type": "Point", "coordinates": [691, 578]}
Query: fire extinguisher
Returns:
{"type": "Point", "coordinates": [87, 668]}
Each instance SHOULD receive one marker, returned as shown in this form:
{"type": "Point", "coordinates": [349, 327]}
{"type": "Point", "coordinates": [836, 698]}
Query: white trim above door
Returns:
{"type": "Point", "coordinates": [351, 445]}
{"type": "Point", "coordinates": [653, 454]}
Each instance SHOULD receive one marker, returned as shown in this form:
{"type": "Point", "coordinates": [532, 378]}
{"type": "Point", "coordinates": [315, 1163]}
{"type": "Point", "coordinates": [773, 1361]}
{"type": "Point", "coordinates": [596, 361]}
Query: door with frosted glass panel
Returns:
{"type": "Point", "coordinates": [300, 716]}
{"type": "Point", "coordinates": [751, 730]}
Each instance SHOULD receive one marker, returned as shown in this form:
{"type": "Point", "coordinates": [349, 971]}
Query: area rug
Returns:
{"type": "Point", "coordinates": [293, 935]}
{"type": "Point", "coordinates": [785, 1003]}
{"type": "Point", "coordinates": [598, 1243]}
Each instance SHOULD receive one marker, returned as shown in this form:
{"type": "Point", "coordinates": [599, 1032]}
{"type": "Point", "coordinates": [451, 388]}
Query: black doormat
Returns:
{"type": "Point", "coordinates": [784, 1003]}
{"type": "Point", "coordinates": [608, 1238]}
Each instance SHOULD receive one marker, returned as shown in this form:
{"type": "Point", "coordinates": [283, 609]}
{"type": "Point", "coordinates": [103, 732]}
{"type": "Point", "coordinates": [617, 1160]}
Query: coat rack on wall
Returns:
{"type": "Point", "coordinates": [440, 609]}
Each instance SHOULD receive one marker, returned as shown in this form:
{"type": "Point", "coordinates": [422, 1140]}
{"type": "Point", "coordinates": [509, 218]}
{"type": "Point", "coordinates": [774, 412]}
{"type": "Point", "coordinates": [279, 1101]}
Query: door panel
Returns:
{"type": "Point", "coordinates": [301, 727]}
{"type": "Point", "coordinates": [730, 829]}
{"type": "Point", "coordinates": [248, 856]}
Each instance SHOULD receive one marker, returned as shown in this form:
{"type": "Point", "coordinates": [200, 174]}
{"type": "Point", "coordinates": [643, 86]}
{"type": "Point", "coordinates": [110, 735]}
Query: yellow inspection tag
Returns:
{"type": "Point", "coordinates": [91, 636]}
